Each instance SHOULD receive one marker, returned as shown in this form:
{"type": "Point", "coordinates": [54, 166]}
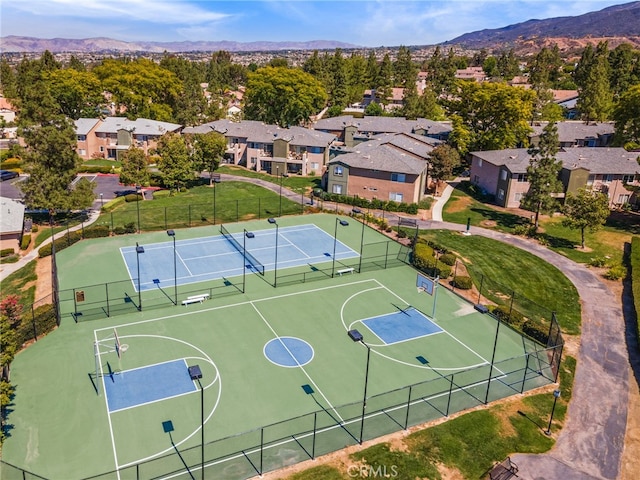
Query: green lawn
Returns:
{"type": "Point", "coordinates": [516, 271]}
{"type": "Point", "coordinates": [606, 243]}
{"type": "Point", "coordinates": [229, 201]}
{"type": "Point", "coordinates": [297, 183]}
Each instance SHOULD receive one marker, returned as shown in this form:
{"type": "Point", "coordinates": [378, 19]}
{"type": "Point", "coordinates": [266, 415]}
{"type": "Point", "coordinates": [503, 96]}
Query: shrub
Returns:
{"type": "Point", "coordinates": [35, 228]}
{"type": "Point", "coordinates": [132, 197]}
{"type": "Point", "coordinates": [598, 262]}
{"type": "Point", "coordinates": [536, 330]}
{"type": "Point", "coordinates": [5, 252]}
{"type": "Point", "coordinates": [96, 231]}
{"type": "Point", "coordinates": [402, 233]}
{"type": "Point", "coordinates": [616, 272]}
{"type": "Point", "coordinates": [513, 318]}
{"type": "Point", "coordinates": [448, 259]}
{"type": "Point", "coordinates": [462, 282]}
{"type": "Point", "coordinates": [524, 230]}
{"type": "Point", "coordinates": [95, 169]}
{"type": "Point", "coordinates": [61, 243]}
{"type": "Point", "coordinates": [24, 243]}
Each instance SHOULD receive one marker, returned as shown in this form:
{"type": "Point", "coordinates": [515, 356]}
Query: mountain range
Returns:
{"type": "Point", "coordinates": [617, 24]}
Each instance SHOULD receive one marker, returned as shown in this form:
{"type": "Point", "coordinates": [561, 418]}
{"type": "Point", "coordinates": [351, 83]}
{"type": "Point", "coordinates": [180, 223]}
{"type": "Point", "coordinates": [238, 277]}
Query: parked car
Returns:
{"type": "Point", "coordinates": [7, 175]}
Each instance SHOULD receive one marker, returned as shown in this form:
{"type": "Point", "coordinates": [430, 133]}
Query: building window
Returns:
{"type": "Point", "coordinates": [480, 162]}
{"type": "Point", "coordinates": [82, 151]}
{"type": "Point", "coordinates": [501, 194]}
{"type": "Point", "coordinates": [503, 174]}
{"type": "Point", "coordinates": [101, 148]}
{"type": "Point", "coordinates": [337, 171]}
{"type": "Point", "coordinates": [396, 196]}
{"type": "Point", "coordinates": [254, 160]}
{"type": "Point", "coordinates": [314, 165]}
{"type": "Point", "coordinates": [591, 179]}
{"type": "Point", "coordinates": [522, 177]}
{"type": "Point", "coordinates": [337, 188]}
{"type": "Point", "coordinates": [316, 149]}
{"type": "Point", "coordinates": [628, 178]}
{"type": "Point", "coordinates": [82, 138]}
{"type": "Point", "coordinates": [398, 177]}
{"type": "Point", "coordinates": [373, 189]}
{"type": "Point", "coordinates": [624, 198]}
{"type": "Point", "coordinates": [518, 196]}
{"type": "Point", "coordinates": [607, 178]}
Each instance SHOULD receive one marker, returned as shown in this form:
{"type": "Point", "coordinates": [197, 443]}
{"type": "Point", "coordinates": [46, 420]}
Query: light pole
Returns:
{"type": "Point", "coordinates": [357, 211]}
{"type": "Point", "coordinates": [282, 175]}
{"type": "Point", "coordinates": [344, 223]}
{"type": "Point", "coordinates": [196, 374]}
{"type": "Point", "coordinates": [101, 201]}
{"type": "Point", "coordinates": [139, 250]}
{"type": "Point", "coordinates": [215, 180]}
{"type": "Point", "coordinates": [275, 268]}
{"type": "Point", "coordinates": [172, 234]}
{"type": "Point", "coordinates": [138, 191]}
{"type": "Point", "coordinates": [356, 336]}
{"type": "Point", "coordinates": [556, 395]}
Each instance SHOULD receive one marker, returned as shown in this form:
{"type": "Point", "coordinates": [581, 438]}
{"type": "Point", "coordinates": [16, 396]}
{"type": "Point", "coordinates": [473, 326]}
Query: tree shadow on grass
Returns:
{"type": "Point", "coordinates": [626, 221]}
{"type": "Point", "coordinates": [555, 242]}
{"type": "Point", "coordinates": [503, 219]}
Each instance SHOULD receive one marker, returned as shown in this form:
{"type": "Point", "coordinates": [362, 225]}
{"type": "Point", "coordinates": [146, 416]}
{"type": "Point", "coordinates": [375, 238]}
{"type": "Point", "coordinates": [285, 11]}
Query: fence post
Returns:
{"type": "Point", "coordinates": [33, 320]}
{"type": "Point", "coordinates": [313, 444]}
{"type": "Point", "coordinates": [189, 215]}
{"type": "Point", "coordinates": [450, 392]}
{"type": "Point", "coordinates": [106, 288]}
{"type": "Point", "coordinates": [386, 255]}
{"type": "Point", "coordinates": [261, 447]}
{"type": "Point", "coordinates": [480, 289]}
{"type": "Point", "coordinates": [524, 377]}
{"type": "Point", "coordinates": [406, 418]}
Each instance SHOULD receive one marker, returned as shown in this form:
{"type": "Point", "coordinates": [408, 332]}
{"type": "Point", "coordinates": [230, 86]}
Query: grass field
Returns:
{"type": "Point", "coordinates": [66, 425]}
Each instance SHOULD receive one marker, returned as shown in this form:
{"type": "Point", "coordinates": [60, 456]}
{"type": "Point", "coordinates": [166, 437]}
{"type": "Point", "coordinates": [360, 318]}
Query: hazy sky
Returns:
{"type": "Point", "coordinates": [360, 22]}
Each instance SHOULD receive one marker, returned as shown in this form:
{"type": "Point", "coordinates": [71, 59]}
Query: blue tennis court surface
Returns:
{"type": "Point", "coordinates": [147, 384]}
{"type": "Point", "coordinates": [401, 326]}
{"type": "Point", "coordinates": [215, 257]}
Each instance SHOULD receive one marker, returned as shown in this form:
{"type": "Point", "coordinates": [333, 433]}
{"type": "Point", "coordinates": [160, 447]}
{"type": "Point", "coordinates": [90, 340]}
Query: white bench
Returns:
{"type": "Point", "coordinates": [204, 296]}
{"type": "Point", "coordinates": [345, 270]}
{"type": "Point", "coordinates": [195, 299]}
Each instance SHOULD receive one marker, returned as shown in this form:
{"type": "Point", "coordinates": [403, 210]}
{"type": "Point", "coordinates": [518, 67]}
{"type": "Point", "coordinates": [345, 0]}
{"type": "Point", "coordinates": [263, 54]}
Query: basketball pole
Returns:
{"type": "Point", "coordinates": [435, 296]}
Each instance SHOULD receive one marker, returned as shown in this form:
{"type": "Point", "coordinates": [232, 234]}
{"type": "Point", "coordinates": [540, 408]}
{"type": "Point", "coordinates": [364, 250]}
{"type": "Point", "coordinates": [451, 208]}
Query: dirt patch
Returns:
{"type": "Point", "coordinates": [43, 272]}
{"type": "Point", "coordinates": [459, 204]}
{"type": "Point", "coordinates": [488, 223]}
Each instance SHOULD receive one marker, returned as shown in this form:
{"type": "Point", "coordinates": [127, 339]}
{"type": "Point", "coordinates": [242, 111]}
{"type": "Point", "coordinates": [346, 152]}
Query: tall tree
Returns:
{"type": "Point", "coordinates": [492, 116]}
{"type": "Point", "coordinates": [208, 150]}
{"type": "Point", "coordinates": [175, 164]}
{"type": "Point", "coordinates": [338, 94]}
{"type": "Point", "coordinates": [507, 65]}
{"type": "Point", "coordinates": [404, 69]}
{"type": "Point", "coordinates": [141, 87]}
{"type": "Point", "coordinates": [595, 99]}
{"type": "Point", "coordinates": [134, 167]}
{"type": "Point", "coordinates": [77, 93]}
{"type": "Point", "coordinates": [544, 68]}
{"type": "Point", "coordinates": [282, 96]}
{"type": "Point", "coordinates": [443, 160]}
{"type": "Point", "coordinates": [357, 81]}
{"type": "Point", "coordinates": [624, 62]}
{"type": "Point", "coordinates": [8, 81]}
{"type": "Point", "coordinates": [627, 117]}
{"type": "Point", "coordinates": [542, 174]}
{"type": "Point", "coordinates": [586, 211]}
{"type": "Point", "coordinates": [373, 71]}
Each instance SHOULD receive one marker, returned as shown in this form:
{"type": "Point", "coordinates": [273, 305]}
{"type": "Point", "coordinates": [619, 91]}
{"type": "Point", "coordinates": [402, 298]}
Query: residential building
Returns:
{"type": "Point", "coordinates": [503, 173]}
{"type": "Point", "coordinates": [390, 167]}
{"type": "Point", "coordinates": [110, 136]}
{"type": "Point", "coordinates": [350, 131]}
{"type": "Point", "coordinates": [574, 133]}
{"type": "Point", "coordinates": [475, 74]}
{"type": "Point", "coordinates": [7, 110]}
{"type": "Point", "coordinates": [271, 149]}
{"type": "Point", "coordinates": [11, 223]}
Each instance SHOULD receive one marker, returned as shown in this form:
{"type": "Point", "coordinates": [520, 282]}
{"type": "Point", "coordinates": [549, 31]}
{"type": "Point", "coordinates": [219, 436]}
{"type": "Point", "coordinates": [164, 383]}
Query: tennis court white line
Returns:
{"type": "Point", "coordinates": [295, 246]}
{"type": "Point", "coordinates": [106, 405]}
{"type": "Point", "coordinates": [219, 307]}
{"type": "Point", "coordinates": [301, 367]}
{"type": "Point", "coordinates": [184, 264]}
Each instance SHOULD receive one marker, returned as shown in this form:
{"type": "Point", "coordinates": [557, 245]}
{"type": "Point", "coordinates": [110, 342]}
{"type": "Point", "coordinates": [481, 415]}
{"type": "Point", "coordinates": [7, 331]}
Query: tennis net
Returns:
{"type": "Point", "coordinates": [257, 266]}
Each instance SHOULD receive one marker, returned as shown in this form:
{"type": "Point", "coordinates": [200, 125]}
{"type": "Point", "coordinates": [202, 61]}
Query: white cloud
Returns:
{"type": "Point", "coordinates": [152, 11]}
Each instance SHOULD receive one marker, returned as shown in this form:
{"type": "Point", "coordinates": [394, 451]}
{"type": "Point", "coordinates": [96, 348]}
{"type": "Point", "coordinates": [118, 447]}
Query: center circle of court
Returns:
{"type": "Point", "coordinates": [288, 352]}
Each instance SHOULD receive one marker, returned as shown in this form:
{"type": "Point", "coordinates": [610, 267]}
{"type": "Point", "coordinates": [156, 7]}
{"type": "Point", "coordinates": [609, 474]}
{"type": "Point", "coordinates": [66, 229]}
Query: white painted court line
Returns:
{"type": "Point", "coordinates": [301, 367]}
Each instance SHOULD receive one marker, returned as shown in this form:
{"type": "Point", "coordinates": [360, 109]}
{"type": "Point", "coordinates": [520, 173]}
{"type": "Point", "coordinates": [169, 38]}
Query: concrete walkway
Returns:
{"type": "Point", "coordinates": [591, 443]}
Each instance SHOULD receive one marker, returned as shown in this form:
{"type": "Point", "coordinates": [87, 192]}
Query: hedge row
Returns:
{"type": "Point", "coordinates": [43, 321]}
{"type": "Point", "coordinates": [635, 278]}
{"type": "Point", "coordinates": [375, 204]}
{"type": "Point", "coordinates": [424, 259]}
{"type": "Point", "coordinates": [5, 252]}
{"type": "Point", "coordinates": [24, 243]}
{"type": "Point", "coordinates": [70, 238]}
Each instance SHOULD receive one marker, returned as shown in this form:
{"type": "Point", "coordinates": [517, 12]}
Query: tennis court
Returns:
{"type": "Point", "coordinates": [281, 379]}
{"type": "Point", "coordinates": [218, 256]}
